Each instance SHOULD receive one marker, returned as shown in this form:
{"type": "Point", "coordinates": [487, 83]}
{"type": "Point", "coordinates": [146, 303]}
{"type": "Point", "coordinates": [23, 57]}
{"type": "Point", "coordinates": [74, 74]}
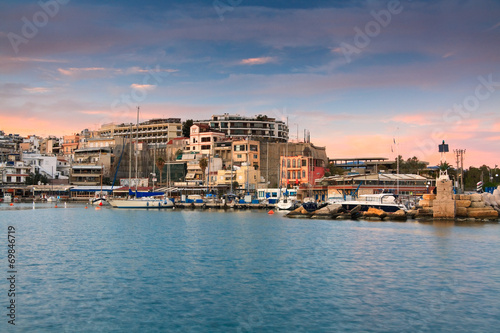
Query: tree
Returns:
{"type": "Point", "coordinates": [332, 170]}
{"type": "Point", "coordinates": [444, 166]}
{"type": "Point", "coordinates": [178, 153]}
{"type": "Point", "coordinates": [160, 163]}
{"type": "Point", "coordinates": [412, 165]}
{"type": "Point", "coordinates": [235, 185]}
{"type": "Point", "coordinates": [203, 166]}
{"type": "Point", "coordinates": [36, 177]}
{"type": "Point", "coordinates": [186, 128]}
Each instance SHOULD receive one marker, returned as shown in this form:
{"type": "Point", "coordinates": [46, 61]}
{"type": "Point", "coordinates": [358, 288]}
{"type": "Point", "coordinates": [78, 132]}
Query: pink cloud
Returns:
{"type": "Point", "coordinates": [257, 61]}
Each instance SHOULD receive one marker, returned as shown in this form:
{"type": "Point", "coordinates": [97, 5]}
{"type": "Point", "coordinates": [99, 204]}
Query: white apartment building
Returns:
{"type": "Point", "coordinates": [260, 126]}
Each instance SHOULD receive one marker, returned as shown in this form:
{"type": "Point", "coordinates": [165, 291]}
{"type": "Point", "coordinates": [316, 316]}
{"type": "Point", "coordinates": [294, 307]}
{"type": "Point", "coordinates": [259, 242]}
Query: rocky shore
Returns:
{"type": "Point", "coordinates": [484, 207]}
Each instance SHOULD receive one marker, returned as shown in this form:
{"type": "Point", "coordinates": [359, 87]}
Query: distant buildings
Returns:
{"type": "Point", "coordinates": [260, 126]}
{"type": "Point", "coordinates": [151, 131]}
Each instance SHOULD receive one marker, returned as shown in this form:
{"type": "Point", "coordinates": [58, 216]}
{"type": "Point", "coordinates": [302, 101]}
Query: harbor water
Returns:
{"type": "Point", "coordinates": [108, 270]}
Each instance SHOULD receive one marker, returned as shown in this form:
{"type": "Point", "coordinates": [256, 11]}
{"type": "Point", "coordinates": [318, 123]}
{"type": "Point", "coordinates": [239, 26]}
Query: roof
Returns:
{"type": "Point", "coordinates": [89, 149]}
{"type": "Point", "coordinates": [93, 167]}
{"type": "Point", "coordinates": [378, 176]}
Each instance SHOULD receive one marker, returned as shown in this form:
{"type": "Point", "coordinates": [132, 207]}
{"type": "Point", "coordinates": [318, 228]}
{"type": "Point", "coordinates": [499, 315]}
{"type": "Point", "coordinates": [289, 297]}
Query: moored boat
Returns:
{"type": "Point", "coordinates": [384, 201]}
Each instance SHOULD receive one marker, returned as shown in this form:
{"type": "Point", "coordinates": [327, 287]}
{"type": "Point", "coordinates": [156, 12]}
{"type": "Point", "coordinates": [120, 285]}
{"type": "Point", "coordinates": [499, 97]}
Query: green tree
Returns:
{"type": "Point", "coordinates": [203, 166]}
{"type": "Point", "coordinates": [412, 165]}
{"type": "Point", "coordinates": [160, 163]}
{"type": "Point", "coordinates": [332, 170]}
{"type": "Point", "coordinates": [36, 177]}
{"type": "Point", "coordinates": [186, 126]}
{"type": "Point", "coordinates": [235, 185]}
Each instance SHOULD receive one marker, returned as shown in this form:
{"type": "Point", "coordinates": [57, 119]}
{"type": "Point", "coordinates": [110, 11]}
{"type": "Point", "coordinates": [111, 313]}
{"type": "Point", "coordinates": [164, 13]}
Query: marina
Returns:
{"type": "Point", "coordinates": [197, 271]}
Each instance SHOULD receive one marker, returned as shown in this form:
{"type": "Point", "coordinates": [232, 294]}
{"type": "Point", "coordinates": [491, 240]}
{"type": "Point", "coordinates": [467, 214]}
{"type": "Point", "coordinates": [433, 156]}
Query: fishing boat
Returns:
{"type": "Point", "coordinates": [384, 201]}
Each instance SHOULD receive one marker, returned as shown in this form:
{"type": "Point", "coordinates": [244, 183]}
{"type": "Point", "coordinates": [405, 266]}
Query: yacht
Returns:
{"type": "Point", "coordinates": [384, 201]}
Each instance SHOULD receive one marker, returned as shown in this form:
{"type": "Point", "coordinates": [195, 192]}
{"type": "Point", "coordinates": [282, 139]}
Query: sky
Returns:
{"type": "Point", "coordinates": [366, 78]}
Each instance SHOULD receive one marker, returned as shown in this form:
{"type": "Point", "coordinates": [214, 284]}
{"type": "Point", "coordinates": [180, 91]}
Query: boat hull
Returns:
{"type": "Point", "coordinates": [142, 203]}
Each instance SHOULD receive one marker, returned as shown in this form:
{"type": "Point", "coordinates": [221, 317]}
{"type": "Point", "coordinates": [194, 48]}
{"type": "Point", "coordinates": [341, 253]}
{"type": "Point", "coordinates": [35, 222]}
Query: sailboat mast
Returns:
{"type": "Point", "coordinates": [130, 158]}
{"type": "Point", "coordinates": [136, 146]}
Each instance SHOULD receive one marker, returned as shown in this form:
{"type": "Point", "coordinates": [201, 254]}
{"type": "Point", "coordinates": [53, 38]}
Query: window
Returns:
{"type": "Point", "coordinates": [205, 147]}
{"type": "Point", "coordinates": [294, 175]}
{"type": "Point", "coordinates": [205, 139]}
{"type": "Point", "coordinates": [283, 163]}
{"type": "Point", "coordinates": [238, 156]}
{"type": "Point", "coordinates": [298, 174]}
{"type": "Point", "coordinates": [288, 175]}
{"type": "Point", "coordinates": [294, 164]}
{"type": "Point", "coordinates": [253, 148]}
{"type": "Point", "coordinates": [288, 163]}
{"type": "Point", "coordinates": [304, 162]}
{"type": "Point", "coordinates": [255, 156]}
{"type": "Point", "coordinates": [303, 173]}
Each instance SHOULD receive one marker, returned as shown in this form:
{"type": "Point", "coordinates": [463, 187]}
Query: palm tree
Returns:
{"type": "Point", "coordinates": [160, 162]}
{"type": "Point", "coordinates": [203, 166]}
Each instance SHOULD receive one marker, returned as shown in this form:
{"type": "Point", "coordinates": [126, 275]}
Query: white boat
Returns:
{"type": "Point", "coordinates": [287, 203]}
{"type": "Point", "coordinates": [51, 199]}
{"type": "Point", "coordinates": [99, 201]}
{"type": "Point", "coordinates": [147, 202]}
{"type": "Point", "coordinates": [384, 201]}
{"type": "Point", "coordinates": [7, 197]}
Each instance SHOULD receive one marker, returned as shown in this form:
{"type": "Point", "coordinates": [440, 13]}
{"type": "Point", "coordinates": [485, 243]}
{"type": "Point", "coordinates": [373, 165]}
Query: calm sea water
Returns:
{"type": "Point", "coordinates": [86, 270]}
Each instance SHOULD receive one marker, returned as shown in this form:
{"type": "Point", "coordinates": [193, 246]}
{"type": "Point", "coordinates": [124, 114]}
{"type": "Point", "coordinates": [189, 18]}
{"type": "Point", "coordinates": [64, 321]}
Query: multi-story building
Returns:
{"type": "Point", "coordinates": [45, 165]}
{"type": "Point", "coordinates": [49, 146]}
{"type": "Point", "coordinates": [90, 165]}
{"type": "Point", "coordinates": [70, 144]}
{"type": "Point", "coordinates": [247, 177]}
{"type": "Point", "coordinates": [299, 169]}
{"type": "Point", "coordinates": [260, 126]}
{"type": "Point", "coordinates": [246, 152]}
{"type": "Point", "coordinates": [151, 131]}
{"type": "Point", "coordinates": [13, 173]}
{"type": "Point", "coordinates": [202, 139]}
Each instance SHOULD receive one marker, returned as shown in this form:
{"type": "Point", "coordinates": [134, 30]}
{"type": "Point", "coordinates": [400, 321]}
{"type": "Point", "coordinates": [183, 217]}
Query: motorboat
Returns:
{"type": "Point", "coordinates": [144, 202]}
{"type": "Point", "coordinates": [384, 201]}
{"type": "Point", "coordinates": [287, 203]}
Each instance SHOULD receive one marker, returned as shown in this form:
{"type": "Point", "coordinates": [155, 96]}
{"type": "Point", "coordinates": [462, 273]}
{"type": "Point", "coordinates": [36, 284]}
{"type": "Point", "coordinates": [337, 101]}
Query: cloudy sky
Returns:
{"type": "Point", "coordinates": [359, 75]}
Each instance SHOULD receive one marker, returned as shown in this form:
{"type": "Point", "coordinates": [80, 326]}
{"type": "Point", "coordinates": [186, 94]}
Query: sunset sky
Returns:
{"type": "Point", "coordinates": [359, 75]}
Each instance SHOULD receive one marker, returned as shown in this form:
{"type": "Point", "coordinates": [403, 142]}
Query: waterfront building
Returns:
{"type": "Point", "coordinates": [90, 164]}
{"type": "Point", "coordinates": [359, 184]}
{"type": "Point", "coordinates": [260, 126]}
{"type": "Point", "coordinates": [13, 173]}
{"type": "Point", "coordinates": [45, 165]}
{"type": "Point", "coordinates": [247, 177]}
{"type": "Point", "coordinates": [299, 169]}
{"type": "Point", "coordinates": [152, 131]}
{"type": "Point", "coordinates": [363, 164]}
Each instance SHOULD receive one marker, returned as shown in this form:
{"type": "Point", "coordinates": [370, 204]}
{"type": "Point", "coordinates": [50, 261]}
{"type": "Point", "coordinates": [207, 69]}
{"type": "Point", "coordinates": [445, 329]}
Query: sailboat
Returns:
{"type": "Point", "coordinates": [99, 200]}
{"type": "Point", "coordinates": [141, 200]}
